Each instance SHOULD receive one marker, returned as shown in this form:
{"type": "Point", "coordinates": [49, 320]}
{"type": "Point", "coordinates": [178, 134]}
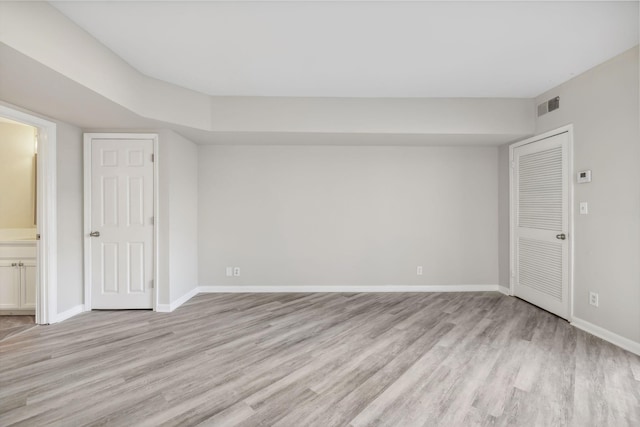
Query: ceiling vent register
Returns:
{"type": "Point", "coordinates": [549, 106]}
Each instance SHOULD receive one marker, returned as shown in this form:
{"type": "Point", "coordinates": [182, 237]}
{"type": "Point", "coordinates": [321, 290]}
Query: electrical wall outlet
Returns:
{"type": "Point", "coordinates": [229, 271]}
{"type": "Point", "coordinates": [236, 271]}
{"type": "Point", "coordinates": [419, 270]}
{"type": "Point", "coordinates": [584, 208]}
{"type": "Point", "coordinates": [593, 299]}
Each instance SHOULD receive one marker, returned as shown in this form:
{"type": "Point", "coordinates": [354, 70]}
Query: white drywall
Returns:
{"type": "Point", "coordinates": [177, 218]}
{"type": "Point", "coordinates": [332, 216]}
{"type": "Point", "coordinates": [183, 215]}
{"type": "Point", "coordinates": [61, 51]}
{"type": "Point", "coordinates": [503, 215]}
{"type": "Point", "coordinates": [602, 104]}
{"type": "Point", "coordinates": [41, 32]}
{"type": "Point", "coordinates": [413, 116]}
{"type": "Point", "coordinates": [70, 216]}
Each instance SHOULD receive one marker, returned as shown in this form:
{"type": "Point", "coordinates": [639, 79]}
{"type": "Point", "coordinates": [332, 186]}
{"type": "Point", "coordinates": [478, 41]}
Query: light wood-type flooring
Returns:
{"type": "Point", "coordinates": [13, 325]}
{"type": "Point", "coordinates": [394, 359]}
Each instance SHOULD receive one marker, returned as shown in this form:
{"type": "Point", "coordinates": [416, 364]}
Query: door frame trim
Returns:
{"type": "Point", "coordinates": [47, 227]}
{"type": "Point", "coordinates": [568, 129]}
{"type": "Point", "coordinates": [88, 138]}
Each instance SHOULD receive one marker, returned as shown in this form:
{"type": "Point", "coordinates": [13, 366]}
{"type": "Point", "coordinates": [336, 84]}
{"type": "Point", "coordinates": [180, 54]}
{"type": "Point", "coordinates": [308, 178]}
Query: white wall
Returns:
{"type": "Point", "coordinates": [163, 222]}
{"type": "Point", "coordinates": [413, 116]}
{"type": "Point", "coordinates": [503, 216]}
{"type": "Point", "coordinates": [70, 216]}
{"type": "Point", "coordinates": [348, 215]}
{"type": "Point", "coordinates": [60, 48]}
{"type": "Point", "coordinates": [17, 176]}
{"type": "Point", "coordinates": [602, 104]}
{"type": "Point", "coordinates": [178, 213]}
{"type": "Point", "coordinates": [41, 32]}
{"type": "Point", "coordinates": [178, 217]}
{"type": "Point", "coordinates": [183, 214]}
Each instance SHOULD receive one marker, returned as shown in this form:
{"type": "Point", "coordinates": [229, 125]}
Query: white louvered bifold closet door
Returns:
{"type": "Point", "coordinates": [541, 215]}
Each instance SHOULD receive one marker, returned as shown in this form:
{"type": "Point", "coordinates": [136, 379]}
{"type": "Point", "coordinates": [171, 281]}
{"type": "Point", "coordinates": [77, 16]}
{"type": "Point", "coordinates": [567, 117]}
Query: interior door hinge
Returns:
{"type": "Point", "coordinates": [153, 220]}
{"type": "Point", "coordinates": [153, 157]}
{"type": "Point", "coordinates": [513, 165]}
{"type": "Point", "coordinates": [151, 284]}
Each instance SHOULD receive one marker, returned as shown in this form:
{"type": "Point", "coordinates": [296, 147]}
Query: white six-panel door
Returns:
{"type": "Point", "coordinates": [540, 210]}
{"type": "Point", "coordinates": [121, 223]}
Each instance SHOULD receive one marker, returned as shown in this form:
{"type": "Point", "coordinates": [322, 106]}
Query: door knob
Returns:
{"type": "Point", "coordinates": [94, 234]}
{"type": "Point", "coordinates": [561, 236]}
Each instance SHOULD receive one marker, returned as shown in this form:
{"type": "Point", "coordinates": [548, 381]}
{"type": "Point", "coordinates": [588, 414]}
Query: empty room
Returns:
{"type": "Point", "coordinates": [320, 213]}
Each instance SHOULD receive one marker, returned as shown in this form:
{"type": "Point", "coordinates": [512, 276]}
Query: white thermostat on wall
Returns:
{"type": "Point", "coordinates": [584, 176]}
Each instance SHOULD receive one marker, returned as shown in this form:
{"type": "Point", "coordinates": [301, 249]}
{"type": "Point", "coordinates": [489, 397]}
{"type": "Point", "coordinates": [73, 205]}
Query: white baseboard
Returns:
{"type": "Point", "coordinates": [163, 308]}
{"type": "Point", "coordinates": [168, 308]}
{"type": "Point", "coordinates": [504, 290]}
{"type": "Point", "coordinates": [69, 313]}
{"type": "Point", "coordinates": [349, 289]}
{"type": "Point", "coordinates": [607, 335]}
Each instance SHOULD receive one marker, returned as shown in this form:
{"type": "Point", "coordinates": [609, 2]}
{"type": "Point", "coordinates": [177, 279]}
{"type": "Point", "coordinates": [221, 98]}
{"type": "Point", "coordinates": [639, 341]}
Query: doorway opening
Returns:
{"type": "Point", "coordinates": [28, 268]}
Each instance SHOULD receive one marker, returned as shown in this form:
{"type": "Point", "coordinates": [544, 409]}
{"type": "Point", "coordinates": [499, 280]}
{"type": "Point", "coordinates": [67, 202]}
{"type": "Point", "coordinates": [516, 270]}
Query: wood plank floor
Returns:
{"type": "Point", "coordinates": [13, 325]}
{"type": "Point", "coordinates": [430, 359]}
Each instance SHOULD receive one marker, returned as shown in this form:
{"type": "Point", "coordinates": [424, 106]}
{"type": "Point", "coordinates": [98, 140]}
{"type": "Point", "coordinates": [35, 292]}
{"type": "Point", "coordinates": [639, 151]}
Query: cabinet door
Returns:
{"type": "Point", "coordinates": [28, 284]}
{"type": "Point", "coordinates": [9, 285]}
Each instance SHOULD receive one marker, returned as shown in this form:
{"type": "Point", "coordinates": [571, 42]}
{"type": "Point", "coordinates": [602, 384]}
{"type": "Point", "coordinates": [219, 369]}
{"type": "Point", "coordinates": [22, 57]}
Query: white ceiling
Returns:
{"type": "Point", "coordinates": [362, 49]}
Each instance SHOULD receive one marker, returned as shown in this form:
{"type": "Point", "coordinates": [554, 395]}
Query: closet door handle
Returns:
{"type": "Point", "coordinates": [14, 264]}
{"type": "Point", "coordinates": [94, 234]}
{"type": "Point", "coordinates": [21, 264]}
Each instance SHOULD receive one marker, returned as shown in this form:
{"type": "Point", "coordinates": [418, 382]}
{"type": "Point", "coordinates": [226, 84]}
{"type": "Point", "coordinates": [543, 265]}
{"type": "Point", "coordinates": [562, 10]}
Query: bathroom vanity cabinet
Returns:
{"type": "Point", "coordinates": [17, 277]}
